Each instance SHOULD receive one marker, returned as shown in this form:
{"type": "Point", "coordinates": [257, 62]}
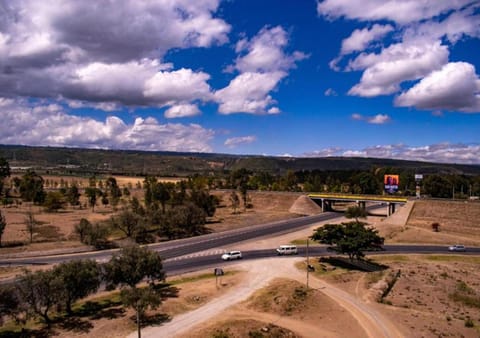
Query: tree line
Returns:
{"type": "Point", "coordinates": [53, 294]}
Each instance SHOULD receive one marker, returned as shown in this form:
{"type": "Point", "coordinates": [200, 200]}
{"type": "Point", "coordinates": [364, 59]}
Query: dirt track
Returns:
{"type": "Point", "coordinates": [259, 274]}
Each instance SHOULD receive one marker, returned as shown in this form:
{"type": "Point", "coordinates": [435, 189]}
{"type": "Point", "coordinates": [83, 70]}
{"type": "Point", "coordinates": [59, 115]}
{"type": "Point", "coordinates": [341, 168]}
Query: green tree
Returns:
{"type": "Point", "coordinates": [114, 191]}
{"type": "Point", "coordinates": [83, 229]}
{"type": "Point", "coordinates": [54, 201]}
{"type": "Point", "coordinates": [79, 279]}
{"type": "Point", "coordinates": [40, 291]}
{"type": "Point", "coordinates": [73, 195]}
{"type": "Point", "coordinates": [127, 269]}
{"type": "Point", "coordinates": [92, 195]}
{"type": "Point", "coordinates": [127, 221]}
{"type": "Point", "coordinates": [10, 305]}
{"type": "Point", "coordinates": [234, 201]}
{"type": "Point", "coordinates": [183, 221]}
{"type": "Point", "coordinates": [356, 212]}
{"type": "Point", "coordinates": [141, 299]}
{"type": "Point", "coordinates": [31, 187]}
{"type": "Point", "coordinates": [3, 224]}
{"type": "Point", "coordinates": [351, 238]}
{"type": "Point", "coordinates": [4, 172]}
{"type": "Point", "coordinates": [161, 194]}
{"type": "Point", "coordinates": [205, 201]}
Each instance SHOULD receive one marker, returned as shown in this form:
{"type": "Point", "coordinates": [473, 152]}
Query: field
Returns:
{"type": "Point", "coordinates": [431, 296]}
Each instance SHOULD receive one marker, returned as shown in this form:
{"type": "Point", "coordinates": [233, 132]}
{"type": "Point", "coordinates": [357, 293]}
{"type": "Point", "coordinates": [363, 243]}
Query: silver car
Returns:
{"type": "Point", "coordinates": [232, 255]}
{"type": "Point", "coordinates": [457, 247]}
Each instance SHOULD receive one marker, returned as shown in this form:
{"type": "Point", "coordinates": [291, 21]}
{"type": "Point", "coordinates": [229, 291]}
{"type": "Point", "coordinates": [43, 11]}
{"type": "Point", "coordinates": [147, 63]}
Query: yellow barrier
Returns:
{"type": "Point", "coordinates": [360, 197]}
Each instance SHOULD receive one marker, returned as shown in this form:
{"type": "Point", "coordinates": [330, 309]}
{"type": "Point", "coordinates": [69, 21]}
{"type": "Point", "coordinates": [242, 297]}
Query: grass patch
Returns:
{"type": "Point", "coordinates": [453, 258]}
{"type": "Point", "coordinates": [390, 258]}
{"type": "Point", "coordinates": [303, 242]}
{"type": "Point", "coordinates": [466, 295]}
{"type": "Point", "coordinates": [374, 277]}
{"type": "Point", "coordinates": [197, 278]}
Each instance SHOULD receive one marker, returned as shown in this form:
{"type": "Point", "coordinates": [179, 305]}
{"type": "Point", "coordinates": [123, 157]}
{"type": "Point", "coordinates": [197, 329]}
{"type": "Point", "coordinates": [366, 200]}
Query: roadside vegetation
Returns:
{"type": "Point", "coordinates": [50, 297]}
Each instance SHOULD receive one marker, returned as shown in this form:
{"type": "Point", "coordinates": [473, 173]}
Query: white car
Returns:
{"type": "Point", "coordinates": [231, 255]}
{"type": "Point", "coordinates": [457, 247]}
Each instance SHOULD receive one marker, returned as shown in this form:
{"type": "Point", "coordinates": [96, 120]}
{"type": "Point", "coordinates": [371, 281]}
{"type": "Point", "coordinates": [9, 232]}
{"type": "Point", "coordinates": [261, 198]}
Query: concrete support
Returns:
{"type": "Point", "coordinates": [390, 208]}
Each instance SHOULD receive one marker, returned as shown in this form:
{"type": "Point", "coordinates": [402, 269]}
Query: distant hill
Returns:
{"type": "Point", "coordinates": [134, 162]}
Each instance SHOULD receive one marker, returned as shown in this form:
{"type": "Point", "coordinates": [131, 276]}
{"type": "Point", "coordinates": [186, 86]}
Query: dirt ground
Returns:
{"type": "Point", "coordinates": [434, 296]}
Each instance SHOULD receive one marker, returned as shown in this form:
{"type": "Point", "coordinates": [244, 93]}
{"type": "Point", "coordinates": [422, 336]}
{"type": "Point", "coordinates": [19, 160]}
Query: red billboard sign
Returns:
{"type": "Point", "coordinates": [391, 183]}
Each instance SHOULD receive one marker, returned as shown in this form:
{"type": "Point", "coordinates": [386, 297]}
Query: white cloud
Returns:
{"type": "Point", "coordinates": [422, 32]}
{"type": "Point", "coordinates": [441, 152]}
{"type": "Point", "coordinates": [398, 63]}
{"type": "Point", "coordinates": [379, 119]}
{"type": "Point", "coordinates": [399, 11]}
{"type": "Point", "coordinates": [248, 93]}
{"type": "Point", "coordinates": [236, 141]}
{"type": "Point", "coordinates": [361, 38]}
{"type": "Point", "coordinates": [263, 66]}
{"type": "Point", "coordinates": [330, 92]}
{"type": "Point", "coordinates": [265, 52]}
{"type": "Point", "coordinates": [357, 117]}
{"type": "Point", "coordinates": [111, 54]}
{"type": "Point", "coordinates": [182, 110]}
{"type": "Point", "coordinates": [454, 87]}
{"type": "Point", "coordinates": [180, 85]}
{"type": "Point", "coordinates": [49, 125]}
{"type": "Point", "coordinates": [376, 119]}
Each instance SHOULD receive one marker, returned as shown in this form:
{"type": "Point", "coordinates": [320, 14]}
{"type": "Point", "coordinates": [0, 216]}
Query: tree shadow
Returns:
{"type": "Point", "coordinates": [75, 324]}
{"type": "Point", "coordinates": [168, 291]}
{"type": "Point", "coordinates": [97, 310]}
{"type": "Point", "coordinates": [29, 333]}
{"type": "Point", "coordinates": [156, 319]}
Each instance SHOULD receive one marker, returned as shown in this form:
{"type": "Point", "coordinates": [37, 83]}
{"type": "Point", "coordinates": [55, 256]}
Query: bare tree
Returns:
{"type": "Point", "coordinates": [31, 223]}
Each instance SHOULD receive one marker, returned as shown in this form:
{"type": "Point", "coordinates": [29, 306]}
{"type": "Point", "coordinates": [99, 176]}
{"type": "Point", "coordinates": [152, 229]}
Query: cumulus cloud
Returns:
{"type": "Point", "coordinates": [51, 125]}
{"type": "Point", "coordinates": [399, 11]}
{"type": "Point", "coordinates": [262, 64]}
{"type": "Point", "coordinates": [398, 63]}
{"type": "Point", "coordinates": [376, 119]}
{"type": "Point", "coordinates": [454, 87]}
{"type": "Point", "coordinates": [249, 93]}
{"type": "Point", "coordinates": [441, 152]}
{"type": "Point", "coordinates": [74, 50]}
{"type": "Point", "coordinates": [182, 110]}
{"type": "Point", "coordinates": [236, 141]}
{"type": "Point", "coordinates": [420, 36]}
{"type": "Point", "coordinates": [361, 38]}
{"type": "Point", "coordinates": [265, 52]}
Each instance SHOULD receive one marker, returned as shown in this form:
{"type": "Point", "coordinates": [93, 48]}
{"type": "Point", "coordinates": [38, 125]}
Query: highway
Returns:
{"type": "Point", "coordinates": [183, 265]}
{"type": "Point", "coordinates": [172, 251]}
{"type": "Point", "coordinates": [176, 248]}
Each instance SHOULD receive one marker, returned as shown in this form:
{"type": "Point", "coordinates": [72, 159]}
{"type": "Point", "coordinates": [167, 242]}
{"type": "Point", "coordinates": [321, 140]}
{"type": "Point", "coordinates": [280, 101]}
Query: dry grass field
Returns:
{"type": "Point", "coordinates": [433, 296]}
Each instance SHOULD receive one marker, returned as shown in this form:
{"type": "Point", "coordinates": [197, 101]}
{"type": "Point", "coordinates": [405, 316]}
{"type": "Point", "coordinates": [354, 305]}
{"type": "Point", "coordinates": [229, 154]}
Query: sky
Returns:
{"type": "Point", "coordinates": [303, 78]}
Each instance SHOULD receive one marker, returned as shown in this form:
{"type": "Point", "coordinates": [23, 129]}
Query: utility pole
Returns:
{"type": "Point", "coordinates": [308, 264]}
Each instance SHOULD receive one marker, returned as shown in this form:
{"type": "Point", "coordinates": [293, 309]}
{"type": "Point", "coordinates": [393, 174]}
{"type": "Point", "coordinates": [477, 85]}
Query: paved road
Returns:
{"type": "Point", "coordinates": [190, 264]}
{"type": "Point", "coordinates": [187, 246]}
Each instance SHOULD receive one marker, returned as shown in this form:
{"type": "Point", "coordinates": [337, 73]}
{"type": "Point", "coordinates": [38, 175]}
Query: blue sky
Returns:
{"type": "Point", "coordinates": [376, 78]}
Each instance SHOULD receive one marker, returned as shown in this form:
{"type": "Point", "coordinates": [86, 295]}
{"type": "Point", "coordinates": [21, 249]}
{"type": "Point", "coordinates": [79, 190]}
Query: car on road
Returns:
{"type": "Point", "coordinates": [457, 247]}
{"type": "Point", "coordinates": [287, 250]}
{"type": "Point", "coordinates": [232, 255]}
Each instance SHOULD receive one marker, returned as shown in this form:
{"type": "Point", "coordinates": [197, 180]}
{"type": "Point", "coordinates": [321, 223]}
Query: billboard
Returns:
{"type": "Point", "coordinates": [418, 177]}
{"type": "Point", "coordinates": [391, 183]}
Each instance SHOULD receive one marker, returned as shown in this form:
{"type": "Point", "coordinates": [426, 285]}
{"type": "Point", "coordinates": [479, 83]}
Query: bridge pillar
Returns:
{"type": "Point", "coordinates": [390, 208]}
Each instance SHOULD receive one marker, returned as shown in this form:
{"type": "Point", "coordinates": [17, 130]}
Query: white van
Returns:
{"type": "Point", "coordinates": [287, 250]}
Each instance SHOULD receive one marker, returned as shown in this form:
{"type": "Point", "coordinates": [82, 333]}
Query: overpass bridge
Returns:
{"type": "Point", "coordinates": [326, 200]}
